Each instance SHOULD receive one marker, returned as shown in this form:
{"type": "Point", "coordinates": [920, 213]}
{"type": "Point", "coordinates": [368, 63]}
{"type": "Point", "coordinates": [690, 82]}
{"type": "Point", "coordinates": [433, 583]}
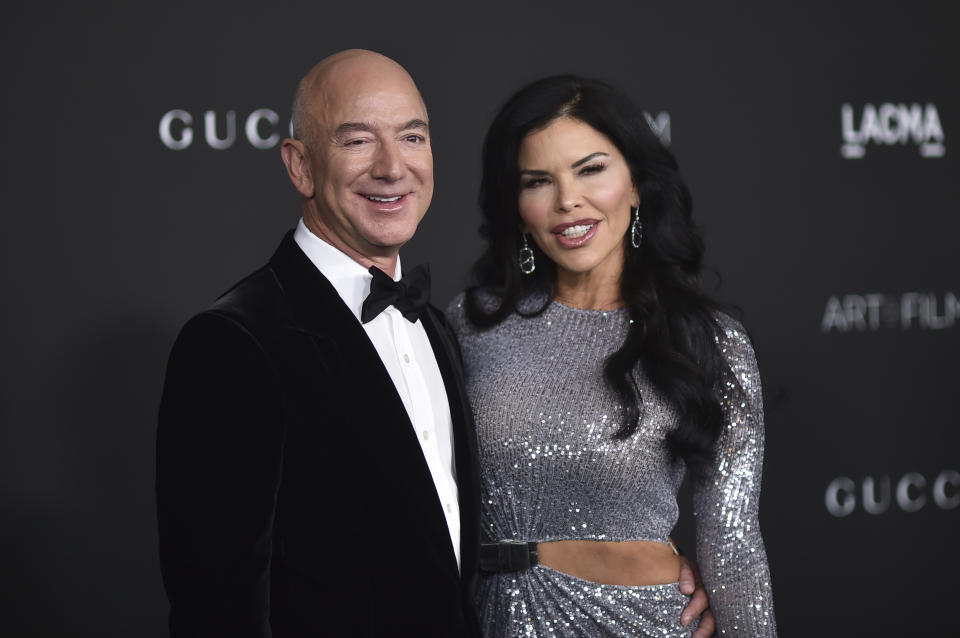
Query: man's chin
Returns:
{"type": "Point", "coordinates": [387, 244]}
{"type": "Point", "coordinates": [392, 233]}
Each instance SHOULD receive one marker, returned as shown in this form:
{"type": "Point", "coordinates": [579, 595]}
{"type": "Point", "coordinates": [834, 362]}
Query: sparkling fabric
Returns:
{"type": "Point", "coordinates": [544, 602]}
{"type": "Point", "coordinates": [550, 470]}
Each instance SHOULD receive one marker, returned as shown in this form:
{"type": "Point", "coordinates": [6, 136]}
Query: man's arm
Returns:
{"type": "Point", "coordinates": [219, 447]}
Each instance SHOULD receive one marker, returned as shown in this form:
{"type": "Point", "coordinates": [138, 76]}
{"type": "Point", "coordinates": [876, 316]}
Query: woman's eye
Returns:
{"type": "Point", "coordinates": [533, 183]}
{"type": "Point", "coordinates": [592, 168]}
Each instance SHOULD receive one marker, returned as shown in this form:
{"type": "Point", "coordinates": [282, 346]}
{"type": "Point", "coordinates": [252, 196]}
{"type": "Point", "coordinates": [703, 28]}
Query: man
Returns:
{"type": "Point", "coordinates": [316, 470]}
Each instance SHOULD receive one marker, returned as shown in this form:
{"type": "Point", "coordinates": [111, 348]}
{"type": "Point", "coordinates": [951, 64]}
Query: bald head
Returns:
{"type": "Point", "coordinates": [361, 158]}
{"type": "Point", "coordinates": [335, 78]}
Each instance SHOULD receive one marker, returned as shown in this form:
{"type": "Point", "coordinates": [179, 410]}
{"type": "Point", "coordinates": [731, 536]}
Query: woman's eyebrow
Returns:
{"type": "Point", "coordinates": [588, 158]}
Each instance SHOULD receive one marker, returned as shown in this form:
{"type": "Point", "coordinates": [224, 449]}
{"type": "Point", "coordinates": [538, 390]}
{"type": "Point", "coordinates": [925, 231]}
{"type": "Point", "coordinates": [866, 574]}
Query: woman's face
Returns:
{"type": "Point", "coordinates": [576, 193]}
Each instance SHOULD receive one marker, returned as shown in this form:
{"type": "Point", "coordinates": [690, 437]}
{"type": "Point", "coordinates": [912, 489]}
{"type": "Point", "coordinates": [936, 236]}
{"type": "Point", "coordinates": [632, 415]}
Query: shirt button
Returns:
{"type": "Point", "coordinates": [406, 358]}
{"type": "Point", "coordinates": [426, 435]}
{"type": "Point", "coordinates": [449, 508]}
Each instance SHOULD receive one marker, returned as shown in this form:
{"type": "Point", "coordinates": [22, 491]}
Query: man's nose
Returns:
{"type": "Point", "coordinates": [388, 162]}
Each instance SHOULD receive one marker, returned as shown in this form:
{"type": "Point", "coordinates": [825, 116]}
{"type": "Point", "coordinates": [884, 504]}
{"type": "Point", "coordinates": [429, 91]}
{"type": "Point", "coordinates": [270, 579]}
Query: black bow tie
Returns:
{"type": "Point", "coordinates": [409, 295]}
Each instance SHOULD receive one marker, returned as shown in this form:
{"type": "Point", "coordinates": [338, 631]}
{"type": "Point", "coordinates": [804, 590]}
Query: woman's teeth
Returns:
{"type": "Point", "coordinates": [576, 231]}
{"type": "Point", "coordinates": [374, 198]}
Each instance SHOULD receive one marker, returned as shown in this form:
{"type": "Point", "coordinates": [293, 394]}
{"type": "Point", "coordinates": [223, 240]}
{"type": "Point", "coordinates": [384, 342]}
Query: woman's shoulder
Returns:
{"type": "Point", "coordinates": [486, 305]}
{"type": "Point", "coordinates": [457, 315]}
{"type": "Point", "coordinates": [736, 346]}
{"type": "Point", "coordinates": [730, 328]}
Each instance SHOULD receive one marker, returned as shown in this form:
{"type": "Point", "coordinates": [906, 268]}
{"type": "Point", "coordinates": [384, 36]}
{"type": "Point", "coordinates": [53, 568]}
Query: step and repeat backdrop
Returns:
{"type": "Point", "coordinates": [142, 177]}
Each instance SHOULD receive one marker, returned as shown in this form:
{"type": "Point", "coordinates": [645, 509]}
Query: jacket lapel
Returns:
{"type": "Point", "coordinates": [447, 353]}
{"type": "Point", "coordinates": [318, 310]}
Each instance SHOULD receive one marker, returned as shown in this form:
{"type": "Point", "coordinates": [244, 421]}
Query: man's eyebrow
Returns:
{"type": "Point", "coordinates": [363, 127]}
{"type": "Point", "coordinates": [351, 127]}
{"type": "Point", "coordinates": [415, 123]}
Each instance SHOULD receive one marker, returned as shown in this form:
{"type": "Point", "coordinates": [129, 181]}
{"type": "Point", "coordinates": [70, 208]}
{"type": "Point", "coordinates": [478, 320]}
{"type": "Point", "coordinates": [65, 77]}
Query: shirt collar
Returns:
{"type": "Point", "coordinates": [349, 279]}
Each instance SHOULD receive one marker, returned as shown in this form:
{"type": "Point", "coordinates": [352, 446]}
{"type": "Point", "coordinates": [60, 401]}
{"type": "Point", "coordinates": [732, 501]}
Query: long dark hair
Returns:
{"type": "Point", "coordinates": [674, 326]}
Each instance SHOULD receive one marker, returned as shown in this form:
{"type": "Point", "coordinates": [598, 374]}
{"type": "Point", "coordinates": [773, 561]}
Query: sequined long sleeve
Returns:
{"type": "Point", "coordinates": [730, 550]}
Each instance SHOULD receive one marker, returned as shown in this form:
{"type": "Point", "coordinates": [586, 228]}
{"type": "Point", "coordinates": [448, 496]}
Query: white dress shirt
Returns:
{"type": "Point", "coordinates": [408, 357]}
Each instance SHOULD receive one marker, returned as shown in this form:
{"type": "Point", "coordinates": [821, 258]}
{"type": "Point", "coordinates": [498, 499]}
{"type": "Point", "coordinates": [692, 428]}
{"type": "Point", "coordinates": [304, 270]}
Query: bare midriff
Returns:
{"type": "Point", "coordinates": [613, 562]}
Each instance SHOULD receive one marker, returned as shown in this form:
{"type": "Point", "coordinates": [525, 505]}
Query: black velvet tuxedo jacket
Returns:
{"type": "Point", "coordinates": [293, 496]}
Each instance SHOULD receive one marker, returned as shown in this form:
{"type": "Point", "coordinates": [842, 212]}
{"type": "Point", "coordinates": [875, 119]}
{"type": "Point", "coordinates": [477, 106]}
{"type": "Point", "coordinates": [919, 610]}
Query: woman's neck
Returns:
{"type": "Point", "coordinates": [583, 290]}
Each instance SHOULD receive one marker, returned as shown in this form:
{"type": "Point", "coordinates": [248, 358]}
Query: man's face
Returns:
{"type": "Point", "coordinates": [371, 161]}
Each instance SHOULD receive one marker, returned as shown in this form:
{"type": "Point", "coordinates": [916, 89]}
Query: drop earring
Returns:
{"type": "Point", "coordinates": [528, 262]}
{"type": "Point", "coordinates": [636, 229]}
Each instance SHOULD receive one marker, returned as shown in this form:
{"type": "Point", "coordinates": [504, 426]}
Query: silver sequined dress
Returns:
{"type": "Point", "coordinates": [550, 470]}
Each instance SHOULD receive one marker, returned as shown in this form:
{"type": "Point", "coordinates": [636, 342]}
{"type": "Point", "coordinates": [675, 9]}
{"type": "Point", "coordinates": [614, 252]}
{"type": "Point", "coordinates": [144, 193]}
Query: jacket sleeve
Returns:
{"type": "Point", "coordinates": [219, 449]}
{"type": "Point", "coordinates": [730, 549]}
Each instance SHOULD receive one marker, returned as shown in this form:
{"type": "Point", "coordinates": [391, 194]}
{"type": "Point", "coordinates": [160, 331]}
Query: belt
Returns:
{"type": "Point", "coordinates": [508, 556]}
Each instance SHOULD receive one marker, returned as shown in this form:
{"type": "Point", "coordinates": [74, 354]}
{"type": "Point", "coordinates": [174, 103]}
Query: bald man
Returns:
{"type": "Point", "coordinates": [316, 468]}
{"type": "Point", "coordinates": [316, 464]}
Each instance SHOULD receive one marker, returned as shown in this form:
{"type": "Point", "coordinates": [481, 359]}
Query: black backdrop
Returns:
{"type": "Point", "coordinates": [846, 267]}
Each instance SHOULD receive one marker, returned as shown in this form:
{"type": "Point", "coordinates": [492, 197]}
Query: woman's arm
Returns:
{"type": "Point", "coordinates": [730, 548]}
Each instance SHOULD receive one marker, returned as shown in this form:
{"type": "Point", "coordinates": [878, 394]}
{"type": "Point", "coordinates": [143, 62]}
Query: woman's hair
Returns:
{"type": "Point", "coordinates": [673, 327]}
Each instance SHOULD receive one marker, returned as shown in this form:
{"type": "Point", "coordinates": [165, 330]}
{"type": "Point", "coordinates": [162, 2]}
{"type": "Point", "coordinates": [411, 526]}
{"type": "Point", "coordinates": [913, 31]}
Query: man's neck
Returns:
{"type": "Point", "coordinates": [386, 262]}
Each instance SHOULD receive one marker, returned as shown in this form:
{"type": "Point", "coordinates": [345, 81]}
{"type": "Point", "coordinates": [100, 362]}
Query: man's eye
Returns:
{"type": "Point", "coordinates": [415, 139]}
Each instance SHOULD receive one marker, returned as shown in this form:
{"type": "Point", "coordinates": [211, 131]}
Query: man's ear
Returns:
{"type": "Point", "coordinates": [297, 160]}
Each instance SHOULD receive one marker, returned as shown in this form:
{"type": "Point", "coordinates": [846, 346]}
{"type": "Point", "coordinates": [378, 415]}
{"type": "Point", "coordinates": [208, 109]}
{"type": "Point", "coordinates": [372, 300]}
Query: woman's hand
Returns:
{"type": "Point", "coordinates": [690, 583]}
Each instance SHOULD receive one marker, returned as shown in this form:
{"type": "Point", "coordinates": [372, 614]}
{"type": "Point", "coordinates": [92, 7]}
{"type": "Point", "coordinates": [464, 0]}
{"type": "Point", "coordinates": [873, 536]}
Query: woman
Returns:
{"type": "Point", "coordinates": [598, 372]}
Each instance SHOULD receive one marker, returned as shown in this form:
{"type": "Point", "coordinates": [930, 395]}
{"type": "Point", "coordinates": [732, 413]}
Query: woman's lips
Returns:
{"type": "Point", "coordinates": [576, 234]}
